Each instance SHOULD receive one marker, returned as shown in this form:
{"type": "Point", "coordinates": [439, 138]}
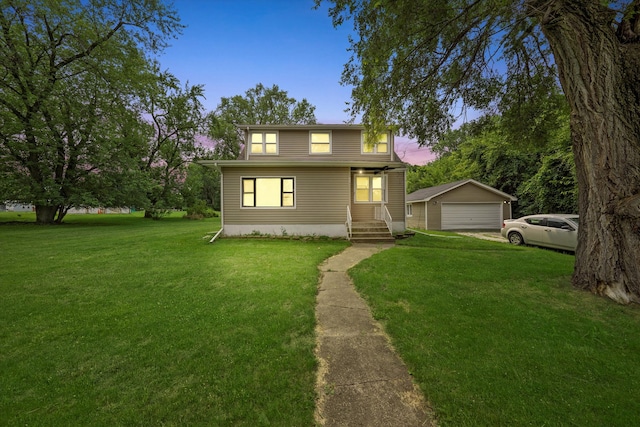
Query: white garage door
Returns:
{"type": "Point", "coordinates": [469, 216]}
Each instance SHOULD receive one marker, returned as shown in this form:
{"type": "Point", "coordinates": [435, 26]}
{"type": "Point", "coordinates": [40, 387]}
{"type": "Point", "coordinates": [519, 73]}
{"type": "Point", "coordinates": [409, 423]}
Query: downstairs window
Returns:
{"type": "Point", "coordinates": [268, 192]}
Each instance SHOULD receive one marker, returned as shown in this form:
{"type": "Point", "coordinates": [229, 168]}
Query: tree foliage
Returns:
{"type": "Point", "coordinates": [175, 119]}
{"type": "Point", "coordinates": [68, 72]}
{"type": "Point", "coordinates": [421, 64]}
{"type": "Point", "coordinates": [417, 63]}
{"type": "Point", "coordinates": [259, 105]}
{"type": "Point", "coordinates": [540, 175]}
{"type": "Point", "coordinates": [202, 185]}
{"type": "Point", "coordinates": [552, 188]}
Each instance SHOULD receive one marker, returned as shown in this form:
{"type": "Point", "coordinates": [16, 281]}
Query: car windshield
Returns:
{"type": "Point", "coordinates": [574, 219]}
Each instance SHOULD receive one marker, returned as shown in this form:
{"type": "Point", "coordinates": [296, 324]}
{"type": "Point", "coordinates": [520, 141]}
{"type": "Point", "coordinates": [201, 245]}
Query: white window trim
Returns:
{"type": "Point", "coordinates": [295, 198]}
{"type": "Point", "coordinates": [370, 175]}
{"type": "Point", "coordinates": [330, 143]}
{"type": "Point", "coordinates": [375, 147]}
{"type": "Point", "coordinates": [409, 210]}
{"type": "Point", "coordinates": [264, 148]}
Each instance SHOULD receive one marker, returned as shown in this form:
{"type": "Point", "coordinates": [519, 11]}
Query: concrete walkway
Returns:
{"type": "Point", "coordinates": [361, 380]}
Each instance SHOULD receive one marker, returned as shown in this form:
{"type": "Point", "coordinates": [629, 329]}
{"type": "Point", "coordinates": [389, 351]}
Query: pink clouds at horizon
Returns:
{"type": "Point", "coordinates": [410, 152]}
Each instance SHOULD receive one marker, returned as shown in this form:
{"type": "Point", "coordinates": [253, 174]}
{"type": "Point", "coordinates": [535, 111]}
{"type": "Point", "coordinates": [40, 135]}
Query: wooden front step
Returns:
{"type": "Point", "coordinates": [371, 232]}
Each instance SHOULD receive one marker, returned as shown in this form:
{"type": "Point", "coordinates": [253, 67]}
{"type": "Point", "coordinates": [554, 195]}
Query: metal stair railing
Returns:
{"type": "Point", "coordinates": [349, 223]}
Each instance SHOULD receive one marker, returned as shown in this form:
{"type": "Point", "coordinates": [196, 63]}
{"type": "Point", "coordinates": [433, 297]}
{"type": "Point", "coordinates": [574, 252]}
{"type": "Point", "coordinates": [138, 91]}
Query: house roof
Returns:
{"type": "Point", "coordinates": [324, 126]}
{"type": "Point", "coordinates": [304, 127]}
{"type": "Point", "coordinates": [426, 194]}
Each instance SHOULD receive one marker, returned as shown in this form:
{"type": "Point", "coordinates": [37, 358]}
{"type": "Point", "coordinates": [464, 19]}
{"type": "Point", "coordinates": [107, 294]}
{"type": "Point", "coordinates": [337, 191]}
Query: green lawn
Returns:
{"type": "Point", "coordinates": [496, 336]}
{"type": "Point", "coordinates": [116, 320]}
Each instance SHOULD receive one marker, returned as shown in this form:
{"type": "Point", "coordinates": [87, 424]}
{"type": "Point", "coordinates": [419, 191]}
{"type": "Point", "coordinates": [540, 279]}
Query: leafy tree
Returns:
{"type": "Point", "coordinates": [67, 75]}
{"type": "Point", "coordinates": [176, 118]}
{"type": "Point", "coordinates": [552, 188]}
{"type": "Point", "coordinates": [259, 105]}
{"type": "Point", "coordinates": [491, 159]}
{"type": "Point", "coordinates": [201, 184]}
{"type": "Point", "coordinates": [440, 171]}
{"type": "Point", "coordinates": [414, 61]}
{"type": "Point", "coordinates": [450, 141]}
{"type": "Point", "coordinates": [540, 175]}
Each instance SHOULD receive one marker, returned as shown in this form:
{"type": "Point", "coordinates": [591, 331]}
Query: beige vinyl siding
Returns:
{"type": "Point", "coordinates": [363, 211]}
{"type": "Point", "coordinates": [469, 193]}
{"type": "Point", "coordinates": [506, 210]}
{"type": "Point", "coordinates": [293, 144]}
{"type": "Point", "coordinates": [396, 195]}
{"type": "Point", "coordinates": [434, 215]}
{"type": "Point", "coordinates": [417, 220]}
{"type": "Point", "coordinates": [321, 196]}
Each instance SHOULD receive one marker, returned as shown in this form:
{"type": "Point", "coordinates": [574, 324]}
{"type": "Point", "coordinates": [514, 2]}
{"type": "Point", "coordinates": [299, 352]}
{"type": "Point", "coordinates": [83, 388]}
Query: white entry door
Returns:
{"type": "Point", "coordinates": [471, 216]}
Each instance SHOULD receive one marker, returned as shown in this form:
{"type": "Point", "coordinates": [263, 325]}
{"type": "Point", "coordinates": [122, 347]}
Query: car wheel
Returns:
{"type": "Point", "coordinates": [515, 238]}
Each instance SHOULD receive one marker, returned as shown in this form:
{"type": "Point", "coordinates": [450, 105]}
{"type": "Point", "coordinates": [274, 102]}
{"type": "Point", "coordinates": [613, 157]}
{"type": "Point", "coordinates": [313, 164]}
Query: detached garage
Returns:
{"type": "Point", "coordinates": [460, 205]}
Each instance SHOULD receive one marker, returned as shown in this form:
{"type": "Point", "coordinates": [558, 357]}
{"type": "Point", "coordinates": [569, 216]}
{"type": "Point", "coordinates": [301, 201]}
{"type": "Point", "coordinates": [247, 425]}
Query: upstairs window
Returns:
{"type": "Point", "coordinates": [320, 142]}
{"type": "Point", "coordinates": [369, 188]}
{"type": "Point", "coordinates": [268, 192]}
{"type": "Point", "coordinates": [380, 146]}
{"type": "Point", "coordinates": [264, 142]}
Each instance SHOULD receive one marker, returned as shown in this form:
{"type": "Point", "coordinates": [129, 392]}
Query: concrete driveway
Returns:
{"type": "Point", "coordinates": [494, 236]}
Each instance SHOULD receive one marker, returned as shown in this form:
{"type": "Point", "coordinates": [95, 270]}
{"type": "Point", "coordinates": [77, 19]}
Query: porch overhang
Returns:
{"type": "Point", "coordinates": [354, 165]}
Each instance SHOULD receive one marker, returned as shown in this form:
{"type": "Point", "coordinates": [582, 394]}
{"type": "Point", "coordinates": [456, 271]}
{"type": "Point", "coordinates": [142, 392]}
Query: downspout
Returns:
{"type": "Point", "coordinates": [216, 235]}
{"type": "Point", "coordinates": [221, 196]}
{"type": "Point", "coordinates": [393, 146]}
{"type": "Point", "coordinates": [247, 143]}
{"type": "Point", "coordinates": [221, 204]}
{"type": "Point", "coordinates": [404, 198]}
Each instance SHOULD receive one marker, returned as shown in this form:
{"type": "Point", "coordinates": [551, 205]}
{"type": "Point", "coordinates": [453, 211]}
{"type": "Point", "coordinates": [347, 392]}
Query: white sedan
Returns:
{"type": "Point", "coordinates": [558, 231]}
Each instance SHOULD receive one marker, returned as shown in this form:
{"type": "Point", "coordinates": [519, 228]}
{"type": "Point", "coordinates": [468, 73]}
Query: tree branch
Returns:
{"type": "Point", "coordinates": [629, 27]}
{"type": "Point", "coordinates": [91, 47]}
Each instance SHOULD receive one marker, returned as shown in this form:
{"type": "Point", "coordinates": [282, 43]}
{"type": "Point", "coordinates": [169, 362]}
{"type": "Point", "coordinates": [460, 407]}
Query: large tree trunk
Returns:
{"type": "Point", "coordinates": [50, 214]}
{"type": "Point", "coordinates": [46, 214]}
{"type": "Point", "coordinates": [599, 75]}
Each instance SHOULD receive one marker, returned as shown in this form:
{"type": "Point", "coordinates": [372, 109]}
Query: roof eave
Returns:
{"type": "Point", "coordinates": [460, 184]}
{"type": "Point", "coordinates": [303, 163]}
{"type": "Point", "coordinates": [301, 126]}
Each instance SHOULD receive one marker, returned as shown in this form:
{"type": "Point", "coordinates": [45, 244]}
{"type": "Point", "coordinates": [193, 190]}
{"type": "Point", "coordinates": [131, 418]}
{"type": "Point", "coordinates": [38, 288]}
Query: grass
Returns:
{"type": "Point", "coordinates": [117, 320]}
{"type": "Point", "coordinates": [495, 335]}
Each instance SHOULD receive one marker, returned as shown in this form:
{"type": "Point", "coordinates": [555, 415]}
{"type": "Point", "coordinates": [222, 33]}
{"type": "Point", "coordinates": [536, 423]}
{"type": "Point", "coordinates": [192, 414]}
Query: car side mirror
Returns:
{"type": "Point", "coordinates": [567, 227]}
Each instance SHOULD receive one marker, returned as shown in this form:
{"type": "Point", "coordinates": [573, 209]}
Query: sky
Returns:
{"type": "Point", "coordinates": [230, 46]}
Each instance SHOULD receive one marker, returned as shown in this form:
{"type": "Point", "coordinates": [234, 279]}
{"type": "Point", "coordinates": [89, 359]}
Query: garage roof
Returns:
{"type": "Point", "coordinates": [426, 194]}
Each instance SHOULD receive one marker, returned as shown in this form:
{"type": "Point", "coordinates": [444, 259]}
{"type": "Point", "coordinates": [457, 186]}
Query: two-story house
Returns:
{"type": "Point", "coordinates": [323, 180]}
